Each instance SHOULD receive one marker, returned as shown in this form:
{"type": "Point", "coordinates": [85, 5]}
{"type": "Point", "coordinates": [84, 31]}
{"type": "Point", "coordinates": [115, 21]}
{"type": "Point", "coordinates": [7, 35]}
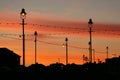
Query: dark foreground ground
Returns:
{"type": "Point", "coordinates": [58, 71]}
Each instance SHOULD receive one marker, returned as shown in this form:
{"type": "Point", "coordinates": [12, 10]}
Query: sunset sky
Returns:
{"type": "Point", "coordinates": [54, 20]}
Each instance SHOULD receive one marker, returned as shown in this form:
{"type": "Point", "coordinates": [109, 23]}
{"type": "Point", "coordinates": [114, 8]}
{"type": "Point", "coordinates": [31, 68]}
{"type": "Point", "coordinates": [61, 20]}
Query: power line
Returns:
{"type": "Point", "coordinates": [74, 29]}
{"type": "Point", "coordinates": [51, 43]}
{"type": "Point", "coordinates": [17, 37]}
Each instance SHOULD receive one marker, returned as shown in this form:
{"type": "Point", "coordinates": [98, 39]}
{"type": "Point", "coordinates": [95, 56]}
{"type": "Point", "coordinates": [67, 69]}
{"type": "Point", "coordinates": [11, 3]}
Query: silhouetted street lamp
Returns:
{"type": "Point", "coordinates": [66, 39]}
{"type": "Point", "coordinates": [90, 23]}
{"type": "Point", "coordinates": [107, 51]}
{"type": "Point", "coordinates": [35, 34]}
{"type": "Point", "coordinates": [23, 16]}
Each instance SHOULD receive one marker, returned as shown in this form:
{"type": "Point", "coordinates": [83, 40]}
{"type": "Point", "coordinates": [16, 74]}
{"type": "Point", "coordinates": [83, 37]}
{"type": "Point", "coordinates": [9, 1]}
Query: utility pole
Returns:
{"type": "Point", "coordinates": [58, 60]}
{"type": "Point", "coordinates": [94, 55]}
{"type": "Point", "coordinates": [83, 58]}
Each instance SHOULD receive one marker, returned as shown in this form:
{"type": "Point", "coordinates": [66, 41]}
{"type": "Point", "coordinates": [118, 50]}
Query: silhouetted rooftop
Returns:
{"type": "Point", "coordinates": [6, 51]}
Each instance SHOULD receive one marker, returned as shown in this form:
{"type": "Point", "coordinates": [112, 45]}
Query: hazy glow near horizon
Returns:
{"type": "Point", "coordinates": [54, 20]}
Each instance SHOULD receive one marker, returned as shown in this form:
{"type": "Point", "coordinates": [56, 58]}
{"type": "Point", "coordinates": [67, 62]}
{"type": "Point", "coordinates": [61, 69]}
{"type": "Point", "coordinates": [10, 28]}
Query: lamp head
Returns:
{"type": "Point", "coordinates": [23, 14]}
{"type": "Point", "coordinates": [107, 47]}
{"type": "Point", "coordinates": [90, 21]}
{"type": "Point", "coordinates": [66, 39]}
{"type": "Point", "coordinates": [35, 33]}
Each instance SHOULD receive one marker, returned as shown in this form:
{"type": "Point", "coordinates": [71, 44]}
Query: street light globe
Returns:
{"type": "Point", "coordinates": [23, 14]}
{"type": "Point", "coordinates": [90, 22]}
{"type": "Point", "coordinates": [66, 39]}
{"type": "Point", "coordinates": [35, 33]}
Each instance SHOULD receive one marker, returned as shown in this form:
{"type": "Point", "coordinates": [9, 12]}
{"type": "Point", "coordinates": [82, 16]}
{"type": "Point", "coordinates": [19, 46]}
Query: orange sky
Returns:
{"type": "Point", "coordinates": [54, 20]}
{"type": "Point", "coordinates": [51, 37]}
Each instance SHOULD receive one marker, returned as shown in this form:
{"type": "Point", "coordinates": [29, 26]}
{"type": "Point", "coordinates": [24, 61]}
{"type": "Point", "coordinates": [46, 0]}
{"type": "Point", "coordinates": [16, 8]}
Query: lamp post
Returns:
{"type": "Point", "coordinates": [66, 39]}
{"type": "Point", "coordinates": [90, 23]}
{"type": "Point", "coordinates": [107, 51]}
{"type": "Point", "coordinates": [23, 16]}
{"type": "Point", "coordinates": [35, 34]}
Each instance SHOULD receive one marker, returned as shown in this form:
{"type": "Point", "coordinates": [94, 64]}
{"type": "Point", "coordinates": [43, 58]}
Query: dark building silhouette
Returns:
{"type": "Point", "coordinates": [113, 65]}
{"type": "Point", "coordinates": [114, 60]}
{"type": "Point", "coordinates": [8, 58]}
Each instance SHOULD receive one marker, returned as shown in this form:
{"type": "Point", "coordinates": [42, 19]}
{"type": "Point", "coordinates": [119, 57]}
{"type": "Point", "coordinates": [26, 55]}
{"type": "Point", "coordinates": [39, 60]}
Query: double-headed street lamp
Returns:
{"type": "Point", "coordinates": [90, 24]}
{"type": "Point", "coordinates": [23, 16]}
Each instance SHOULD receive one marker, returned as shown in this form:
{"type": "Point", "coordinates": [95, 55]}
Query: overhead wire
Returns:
{"type": "Point", "coordinates": [75, 29]}
{"type": "Point", "coordinates": [46, 42]}
{"type": "Point", "coordinates": [78, 30]}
